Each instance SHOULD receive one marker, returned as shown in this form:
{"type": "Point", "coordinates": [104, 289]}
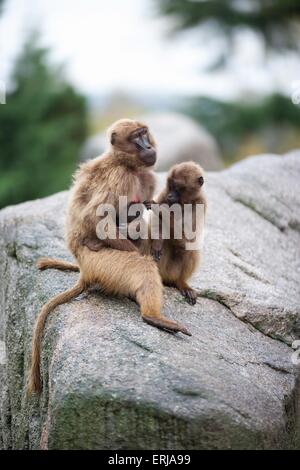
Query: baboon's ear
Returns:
{"type": "Point", "coordinates": [201, 180]}
{"type": "Point", "coordinates": [113, 138]}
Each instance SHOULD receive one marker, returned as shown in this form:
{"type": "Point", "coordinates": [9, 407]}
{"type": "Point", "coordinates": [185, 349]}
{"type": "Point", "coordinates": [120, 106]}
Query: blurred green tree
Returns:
{"type": "Point", "coordinates": [42, 127]}
{"type": "Point", "coordinates": [271, 123]}
{"type": "Point", "coordinates": [263, 124]}
{"type": "Point", "coordinates": [277, 21]}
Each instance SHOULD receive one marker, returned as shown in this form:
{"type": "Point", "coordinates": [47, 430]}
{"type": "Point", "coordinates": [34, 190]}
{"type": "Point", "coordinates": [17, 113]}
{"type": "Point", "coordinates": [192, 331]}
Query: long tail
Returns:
{"type": "Point", "coordinates": [34, 380]}
{"type": "Point", "coordinates": [49, 263]}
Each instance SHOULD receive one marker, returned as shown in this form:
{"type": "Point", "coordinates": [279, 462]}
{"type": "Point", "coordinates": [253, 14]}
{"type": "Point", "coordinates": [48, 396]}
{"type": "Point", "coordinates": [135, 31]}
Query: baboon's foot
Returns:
{"type": "Point", "coordinates": [190, 295]}
{"type": "Point", "coordinates": [165, 324]}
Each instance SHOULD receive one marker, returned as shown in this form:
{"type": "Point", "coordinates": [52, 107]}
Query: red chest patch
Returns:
{"type": "Point", "coordinates": [136, 200]}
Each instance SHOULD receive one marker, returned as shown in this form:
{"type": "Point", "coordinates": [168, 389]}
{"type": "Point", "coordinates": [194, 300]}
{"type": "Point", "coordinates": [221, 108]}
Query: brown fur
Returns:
{"type": "Point", "coordinates": [115, 266]}
{"type": "Point", "coordinates": [176, 265]}
{"type": "Point", "coordinates": [46, 263]}
{"type": "Point", "coordinates": [34, 382]}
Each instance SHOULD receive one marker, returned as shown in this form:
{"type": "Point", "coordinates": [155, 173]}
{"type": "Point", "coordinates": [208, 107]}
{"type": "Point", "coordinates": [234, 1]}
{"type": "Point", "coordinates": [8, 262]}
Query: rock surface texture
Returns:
{"type": "Point", "coordinates": [178, 137]}
{"type": "Point", "coordinates": [113, 382]}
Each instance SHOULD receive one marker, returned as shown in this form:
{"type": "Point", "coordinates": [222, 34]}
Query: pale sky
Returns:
{"type": "Point", "coordinates": [121, 44]}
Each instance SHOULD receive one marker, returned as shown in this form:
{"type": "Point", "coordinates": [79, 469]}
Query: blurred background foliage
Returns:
{"type": "Point", "coordinates": [41, 130]}
{"type": "Point", "coordinates": [269, 124]}
{"type": "Point", "coordinates": [275, 20]}
{"type": "Point", "coordinates": [254, 124]}
{"type": "Point", "coordinates": [46, 120]}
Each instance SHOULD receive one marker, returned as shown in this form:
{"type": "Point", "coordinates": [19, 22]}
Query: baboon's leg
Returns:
{"type": "Point", "coordinates": [190, 261]}
{"type": "Point", "coordinates": [176, 270]}
{"type": "Point", "coordinates": [132, 275]}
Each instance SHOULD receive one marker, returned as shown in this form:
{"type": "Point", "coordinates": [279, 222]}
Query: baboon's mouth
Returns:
{"type": "Point", "coordinates": [148, 157]}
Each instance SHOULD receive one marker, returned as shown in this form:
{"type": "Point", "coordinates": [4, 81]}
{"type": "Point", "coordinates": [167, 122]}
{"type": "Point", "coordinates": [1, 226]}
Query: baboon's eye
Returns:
{"type": "Point", "coordinates": [201, 180]}
{"type": "Point", "coordinates": [113, 138]}
{"type": "Point", "coordinates": [137, 133]}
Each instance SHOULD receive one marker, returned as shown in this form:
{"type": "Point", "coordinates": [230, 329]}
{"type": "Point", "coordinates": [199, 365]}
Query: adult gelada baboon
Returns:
{"type": "Point", "coordinates": [113, 264]}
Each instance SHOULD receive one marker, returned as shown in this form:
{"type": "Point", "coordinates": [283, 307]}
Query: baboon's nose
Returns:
{"type": "Point", "coordinates": [172, 198]}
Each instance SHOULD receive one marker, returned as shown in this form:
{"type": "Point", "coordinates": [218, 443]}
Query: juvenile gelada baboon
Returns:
{"type": "Point", "coordinates": [177, 263]}
{"type": "Point", "coordinates": [115, 265]}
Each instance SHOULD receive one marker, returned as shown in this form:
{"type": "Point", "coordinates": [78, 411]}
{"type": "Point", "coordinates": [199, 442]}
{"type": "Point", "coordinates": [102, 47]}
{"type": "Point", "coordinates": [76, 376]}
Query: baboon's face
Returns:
{"type": "Point", "coordinates": [141, 140]}
{"type": "Point", "coordinates": [184, 183]}
{"type": "Point", "coordinates": [135, 139]}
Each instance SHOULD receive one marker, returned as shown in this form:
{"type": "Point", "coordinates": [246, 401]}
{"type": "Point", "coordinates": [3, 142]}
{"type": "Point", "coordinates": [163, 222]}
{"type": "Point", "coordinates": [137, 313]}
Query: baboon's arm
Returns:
{"type": "Point", "coordinates": [95, 244]}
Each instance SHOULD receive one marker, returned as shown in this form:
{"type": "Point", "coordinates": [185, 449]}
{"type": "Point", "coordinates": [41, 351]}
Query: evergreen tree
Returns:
{"type": "Point", "coordinates": [276, 20]}
{"type": "Point", "coordinates": [42, 127]}
{"type": "Point", "coordinates": [273, 122]}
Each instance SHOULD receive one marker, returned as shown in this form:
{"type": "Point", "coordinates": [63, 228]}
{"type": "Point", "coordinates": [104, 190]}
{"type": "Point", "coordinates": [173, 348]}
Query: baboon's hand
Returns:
{"type": "Point", "coordinates": [148, 204]}
{"type": "Point", "coordinates": [93, 244]}
{"type": "Point", "coordinates": [122, 245]}
{"type": "Point", "coordinates": [156, 249]}
{"type": "Point", "coordinates": [156, 254]}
